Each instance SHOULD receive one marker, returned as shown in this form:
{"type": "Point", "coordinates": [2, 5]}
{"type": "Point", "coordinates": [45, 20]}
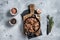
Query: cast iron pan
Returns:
{"type": "Point", "coordinates": [37, 21]}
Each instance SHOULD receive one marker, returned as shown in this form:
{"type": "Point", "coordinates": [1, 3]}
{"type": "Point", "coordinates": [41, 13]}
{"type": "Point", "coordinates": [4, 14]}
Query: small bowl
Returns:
{"type": "Point", "coordinates": [12, 21]}
{"type": "Point", "coordinates": [13, 11]}
{"type": "Point", "coordinates": [38, 11]}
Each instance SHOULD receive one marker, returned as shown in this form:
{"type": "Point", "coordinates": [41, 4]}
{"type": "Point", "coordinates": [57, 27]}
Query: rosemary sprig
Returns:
{"type": "Point", "coordinates": [50, 24]}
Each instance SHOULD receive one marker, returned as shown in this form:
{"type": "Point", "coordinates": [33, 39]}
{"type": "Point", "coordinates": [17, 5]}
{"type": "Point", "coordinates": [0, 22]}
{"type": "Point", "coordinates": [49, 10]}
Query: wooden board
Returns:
{"type": "Point", "coordinates": [32, 14]}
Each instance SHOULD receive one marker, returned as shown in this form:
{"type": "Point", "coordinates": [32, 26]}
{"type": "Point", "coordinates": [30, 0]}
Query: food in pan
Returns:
{"type": "Point", "coordinates": [32, 25]}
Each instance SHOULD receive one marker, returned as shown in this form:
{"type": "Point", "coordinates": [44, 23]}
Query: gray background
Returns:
{"type": "Point", "coordinates": [51, 7]}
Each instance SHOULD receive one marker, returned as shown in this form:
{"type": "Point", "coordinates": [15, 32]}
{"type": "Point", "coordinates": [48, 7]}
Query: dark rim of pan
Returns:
{"type": "Point", "coordinates": [37, 21]}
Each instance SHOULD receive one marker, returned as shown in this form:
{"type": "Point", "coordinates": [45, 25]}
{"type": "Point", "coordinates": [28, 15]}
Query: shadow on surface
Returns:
{"type": "Point", "coordinates": [8, 14]}
{"type": "Point", "coordinates": [21, 25]}
{"type": "Point", "coordinates": [7, 24]}
{"type": "Point", "coordinates": [25, 12]}
{"type": "Point", "coordinates": [22, 30]}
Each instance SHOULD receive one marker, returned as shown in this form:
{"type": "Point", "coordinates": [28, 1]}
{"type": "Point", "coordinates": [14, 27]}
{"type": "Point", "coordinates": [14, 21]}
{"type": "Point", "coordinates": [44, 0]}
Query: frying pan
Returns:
{"type": "Point", "coordinates": [37, 21]}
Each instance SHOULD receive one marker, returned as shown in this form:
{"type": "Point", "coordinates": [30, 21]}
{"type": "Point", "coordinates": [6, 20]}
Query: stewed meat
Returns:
{"type": "Point", "coordinates": [31, 25]}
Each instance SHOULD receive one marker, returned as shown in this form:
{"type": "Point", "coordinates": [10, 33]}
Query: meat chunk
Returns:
{"type": "Point", "coordinates": [31, 25]}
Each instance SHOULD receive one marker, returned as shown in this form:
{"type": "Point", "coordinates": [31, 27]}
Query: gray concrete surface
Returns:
{"type": "Point", "coordinates": [51, 7]}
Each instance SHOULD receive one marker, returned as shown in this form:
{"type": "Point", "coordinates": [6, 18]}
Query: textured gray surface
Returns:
{"type": "Point", "coordinates": [51, 7]}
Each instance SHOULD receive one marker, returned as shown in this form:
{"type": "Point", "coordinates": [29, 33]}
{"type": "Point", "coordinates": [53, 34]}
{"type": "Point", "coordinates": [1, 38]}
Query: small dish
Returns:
{"type": "Point", "coordinates": [38, 11]}
{"type": "Point", "coordinates": [13, 11]}
{"type": "Point", "coordinates": [12, 21]}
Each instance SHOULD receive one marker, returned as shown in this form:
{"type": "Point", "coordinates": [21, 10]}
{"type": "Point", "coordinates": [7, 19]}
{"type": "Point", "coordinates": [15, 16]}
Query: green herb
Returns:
{"type": "Point", "coordinates": [50, 25]}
